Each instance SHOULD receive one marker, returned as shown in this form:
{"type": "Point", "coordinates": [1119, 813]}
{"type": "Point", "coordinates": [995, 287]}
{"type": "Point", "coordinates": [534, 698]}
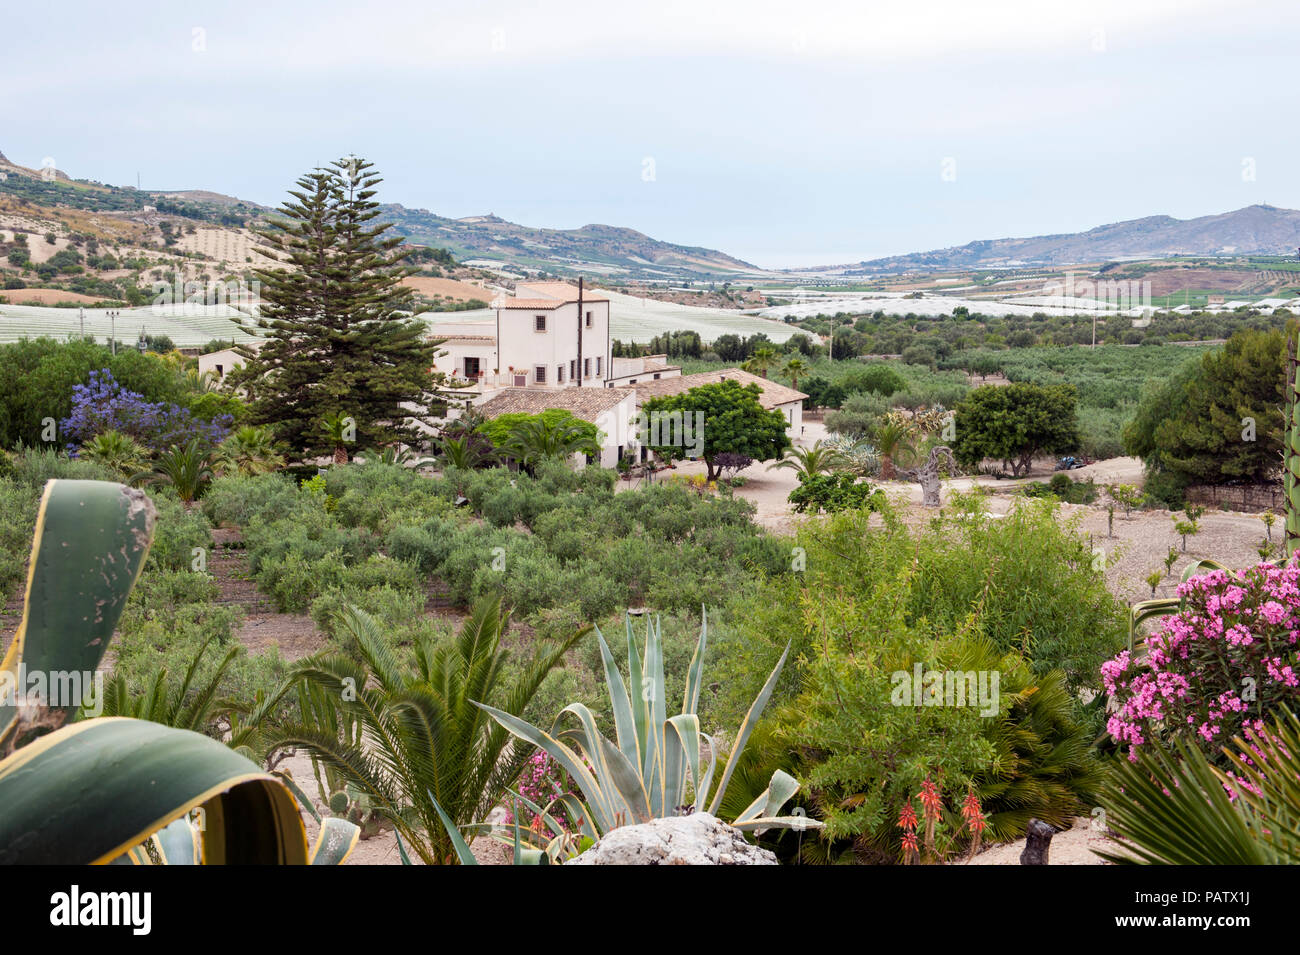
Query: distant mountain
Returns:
{"type": "Point", "coordinates": [1254, 230]}
{"type": "Point", "coordinates": [606, 250]}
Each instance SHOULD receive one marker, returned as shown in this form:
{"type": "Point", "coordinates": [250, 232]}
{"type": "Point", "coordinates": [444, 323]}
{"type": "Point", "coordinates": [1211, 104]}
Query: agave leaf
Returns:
{"type": "Point", "coordinates": [89, 545]}
{"type": "Point", "coordinates": [746, 728]}
{"type": "Point", "coordinates": [636, 681]}
{"type": "Point", "coordinates": [303, 799]}
{"type": "Point", "coordinates": [624, 722]}
{"type": "Point", "coordinates": [458, 843]}
{"type": "Point", "coordinates": [179, 843]}
{"type": "Point", "coordinates": [567, 758]}
{"type": "Point", "coordinates": [338, 837]}
{"type": "Point", "coordinates": [695, 675]}
{"type": "Point", "coordinates": [95, 789]}
{"type": "Point", "coordinates": [681, 749]}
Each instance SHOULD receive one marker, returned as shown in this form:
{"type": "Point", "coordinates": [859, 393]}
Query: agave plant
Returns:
{"type": "Point", "coordinates": [189, 470]}
{"type": "Point", "coordinates": [857, 455]}
{"type": "Point", "coordinates": [1175, 807]}
{"type": "Point", "coordinates": [656, 759]}
{"type": "Point", "coordinates": [117, 452]}
{"type": "Point", "coordinates": [249, 451]}
{"type": "Point", "coordinates": [97, 790]}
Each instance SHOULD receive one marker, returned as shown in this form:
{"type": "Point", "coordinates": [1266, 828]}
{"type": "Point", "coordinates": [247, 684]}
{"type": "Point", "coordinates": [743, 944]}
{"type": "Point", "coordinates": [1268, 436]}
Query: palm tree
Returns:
{"type": "Point", "coordinates": [249, 451]}
{"type": "Point", "coordinates": [405, 736]}
{"type": "Point", "coordinates": [806, 462]}
{"type": "Point", "coordinates": [188, 470]}
{"type": "Point", "coordinates": [535, 440]}
{"type": "Point", "coordinates": [795, 367]}
{"type": "Point", "coordinates": [339, 429]}
{"type": "Point", "coordinates": [117, 452]}
{"type": "Point", "coordinates": [894, 442]}
{"type": "Point", "coordinates": [760, 360]}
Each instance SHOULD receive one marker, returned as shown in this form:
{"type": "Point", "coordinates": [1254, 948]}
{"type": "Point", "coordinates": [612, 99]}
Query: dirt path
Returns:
{"type": "Point", "coordinates": [263, 627]}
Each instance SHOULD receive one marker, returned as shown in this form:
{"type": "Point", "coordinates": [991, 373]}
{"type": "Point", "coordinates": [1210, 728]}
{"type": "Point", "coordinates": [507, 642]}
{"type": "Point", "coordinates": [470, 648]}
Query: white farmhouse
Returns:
{"type": "Point", "coordinates": [612, 410]}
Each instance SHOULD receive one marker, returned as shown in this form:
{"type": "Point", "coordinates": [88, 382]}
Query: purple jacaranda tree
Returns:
{"type": "Point", "coordinates": [104, 405]}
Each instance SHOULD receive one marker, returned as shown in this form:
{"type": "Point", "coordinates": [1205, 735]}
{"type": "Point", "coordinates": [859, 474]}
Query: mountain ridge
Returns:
{"type": "Point", "coordinates": [1258, 229]}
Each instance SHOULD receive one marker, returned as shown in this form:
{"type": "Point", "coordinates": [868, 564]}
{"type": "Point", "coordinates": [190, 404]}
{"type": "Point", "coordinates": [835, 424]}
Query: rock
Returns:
{"type": "Point", "coordinates": [1038, 840]}
{"type": "Point", "coordinates": [697, 839]}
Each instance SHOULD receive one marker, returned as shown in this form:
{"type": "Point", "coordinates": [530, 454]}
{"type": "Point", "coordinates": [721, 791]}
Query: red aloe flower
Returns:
{"type": "Point", "coordinates": [907, 819]}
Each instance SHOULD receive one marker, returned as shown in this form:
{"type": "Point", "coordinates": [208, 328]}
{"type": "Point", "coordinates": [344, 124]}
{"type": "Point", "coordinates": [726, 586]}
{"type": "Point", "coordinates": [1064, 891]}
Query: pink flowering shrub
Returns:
{"type": "Point", "coordinates": [1217, 668]}
{"type": "Point", "coordinates": [541, 782]}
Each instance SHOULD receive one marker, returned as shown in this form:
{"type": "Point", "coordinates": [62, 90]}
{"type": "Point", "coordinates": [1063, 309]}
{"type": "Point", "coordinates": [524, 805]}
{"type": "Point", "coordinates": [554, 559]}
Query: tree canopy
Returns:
{"type": "Point", "coordinates": [734, 422]}
{"type": "Point", "coordinates": [1014, 424]}
{"type": "Point", "coordinates": [341, 335]}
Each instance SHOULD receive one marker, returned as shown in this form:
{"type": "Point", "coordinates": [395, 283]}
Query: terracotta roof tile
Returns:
{"type": "Point", "coordinates": [772, 396]}
{"type": "Point", "coordinates": [586, 403]}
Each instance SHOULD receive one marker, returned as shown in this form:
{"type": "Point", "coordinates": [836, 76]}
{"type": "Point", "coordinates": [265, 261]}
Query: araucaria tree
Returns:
{"type": "Point", "coordinates": [719, 418]}
{"type": "Point", "coordinates": [341, 338]}
{"type": "Point", "coordinates": [1014, 424]}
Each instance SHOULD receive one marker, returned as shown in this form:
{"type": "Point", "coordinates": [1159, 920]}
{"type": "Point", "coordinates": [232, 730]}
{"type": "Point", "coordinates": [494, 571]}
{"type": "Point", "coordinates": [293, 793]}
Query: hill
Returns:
{"type": "Point", "coordinates": [1254, 230]}
{"type": "Point", "coordinates": [600, 249]}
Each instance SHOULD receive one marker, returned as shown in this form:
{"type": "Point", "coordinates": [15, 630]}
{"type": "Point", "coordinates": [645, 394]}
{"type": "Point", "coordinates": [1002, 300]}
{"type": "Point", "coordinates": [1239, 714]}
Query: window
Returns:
{"type": "Point", "coordinates": [597, 366]}
{"type": "Point", "coordinates": [632, 382]}
{"type": "Point", "coordinates": [586, 368]}
{"type": "Point", "coordinates": [471, 368]}
{"type": "Point", "coordinates": [656, 376]}
{"type": "Point", "coordinates": [573, 369]}
{"type": "Point", "coordinates": [559, 374]}
{"type": "Point", "coordinates": [589, 319]}
{"type": "Point", "coordinates": [539, 374]}
{"type": "Point", "coordinates": [539, 323]}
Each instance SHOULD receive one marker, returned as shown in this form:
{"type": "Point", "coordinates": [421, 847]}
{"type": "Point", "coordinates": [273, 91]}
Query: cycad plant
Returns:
{"type": "Point", "coordinates": [185, 705]}
{"type": "Point", "coordinates": [187, 469]}
{"type": "Point", "coordinates": [806, 462]}
{"type": "Point", "coordinates": [656, 766]}
{"type": "Point", "coordinates": [1174, 807]}
{"type": "Point", "coordinates": [249, 451]}
{"type": "Point", "coordinates": [118, 452]}
{"type": "Point", "coordinates": [405, 736]}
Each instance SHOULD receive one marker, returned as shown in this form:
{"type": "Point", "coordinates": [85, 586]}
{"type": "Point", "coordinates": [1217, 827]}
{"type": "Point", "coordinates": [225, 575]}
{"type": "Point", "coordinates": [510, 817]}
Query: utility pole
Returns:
{"type": "Point", "coordinates": [112, 317]}
{"type": "Point", "coordinates": [579, 331]}
{"type": "Point", "coordinates": [82, 313]}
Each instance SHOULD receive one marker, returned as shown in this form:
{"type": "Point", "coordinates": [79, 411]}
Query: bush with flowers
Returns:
{"type": "Point", "coordinates": [1216, 669]}
{"type": "Point", "coordinates": [541, 783]}
{"type": "Point", "coordinates": [103, 405]}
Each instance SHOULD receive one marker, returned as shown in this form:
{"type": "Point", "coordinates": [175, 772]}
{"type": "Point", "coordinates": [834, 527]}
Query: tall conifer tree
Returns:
{"type": "Point", "coordinates": [342, 341]}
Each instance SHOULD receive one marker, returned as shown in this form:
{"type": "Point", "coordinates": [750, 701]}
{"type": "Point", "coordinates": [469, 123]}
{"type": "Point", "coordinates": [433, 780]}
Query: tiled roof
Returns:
{"type": "Point", "coordinates": [586, 402]}
{"type": "Point", "coordinates": [772, 396]}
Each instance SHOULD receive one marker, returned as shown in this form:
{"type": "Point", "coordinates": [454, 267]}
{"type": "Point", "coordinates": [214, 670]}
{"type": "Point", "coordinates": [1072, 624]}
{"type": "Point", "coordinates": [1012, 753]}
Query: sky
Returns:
{"type": "Point", "coordinates": [786, 134]}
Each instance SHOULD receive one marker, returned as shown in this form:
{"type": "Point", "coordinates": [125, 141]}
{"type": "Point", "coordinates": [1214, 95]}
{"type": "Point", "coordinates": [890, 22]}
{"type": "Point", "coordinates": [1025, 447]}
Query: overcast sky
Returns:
{"type": "Point", "coordinates": [793, 133]}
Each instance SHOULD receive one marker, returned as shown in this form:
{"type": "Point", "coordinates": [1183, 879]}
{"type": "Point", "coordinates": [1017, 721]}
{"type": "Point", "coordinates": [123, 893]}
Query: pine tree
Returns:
{"type": "Point", "coordinates": [342, 341]}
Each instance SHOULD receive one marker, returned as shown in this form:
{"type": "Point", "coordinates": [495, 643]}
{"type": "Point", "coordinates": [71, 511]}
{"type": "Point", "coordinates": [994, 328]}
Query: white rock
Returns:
{"type": "Point", "coordinates": [697, 839]}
